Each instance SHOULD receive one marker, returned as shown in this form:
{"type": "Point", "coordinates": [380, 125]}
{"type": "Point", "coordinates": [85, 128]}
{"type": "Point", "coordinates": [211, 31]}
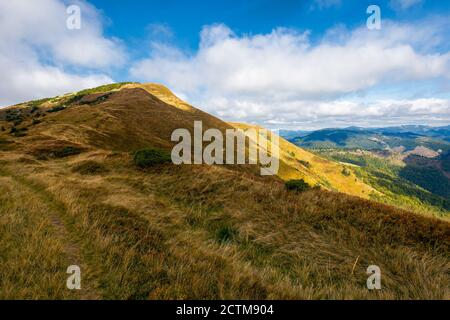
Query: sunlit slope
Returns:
{"type": "Point", "coordinates": [297, 163]}
{"type": "Point", "coordinates": [163, 94]}
{"type": "Point", "coordinates": [126, 117]}
{"type": "Point", "coordinates": [121, 119]}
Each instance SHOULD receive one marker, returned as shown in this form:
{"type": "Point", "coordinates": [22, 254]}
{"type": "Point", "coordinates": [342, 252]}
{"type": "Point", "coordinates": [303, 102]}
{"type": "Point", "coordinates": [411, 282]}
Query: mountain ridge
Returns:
{"type": "Point", "coordinates": [167, 113]}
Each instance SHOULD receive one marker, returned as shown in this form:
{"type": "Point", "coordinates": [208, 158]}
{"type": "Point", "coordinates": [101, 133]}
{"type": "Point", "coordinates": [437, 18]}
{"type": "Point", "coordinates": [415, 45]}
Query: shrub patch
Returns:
{"type": "Point", "coordinates": [298, 185]}
{"type": "Point", "coordinates": [150, 157]}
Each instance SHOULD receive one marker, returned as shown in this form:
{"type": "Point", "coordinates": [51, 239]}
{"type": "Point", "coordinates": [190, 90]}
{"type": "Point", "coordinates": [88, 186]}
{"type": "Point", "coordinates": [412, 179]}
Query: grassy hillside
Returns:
{"type": "Point", "coordinates": [71, 194]}
{"type": "Point", "coordinates": [132, 116]}
{"type": "Point", "coordinates": [297, 163]}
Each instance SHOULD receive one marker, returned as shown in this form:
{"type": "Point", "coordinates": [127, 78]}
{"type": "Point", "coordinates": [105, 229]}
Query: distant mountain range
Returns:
{"type": "Point", "coordinates": [402, 138]}
{"type": "Point", "coordinates": [411, 161]}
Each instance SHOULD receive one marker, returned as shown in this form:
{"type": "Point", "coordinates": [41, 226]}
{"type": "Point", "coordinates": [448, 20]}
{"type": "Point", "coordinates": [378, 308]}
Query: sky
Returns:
{"type": "Point", "coordinates": [285, 64]}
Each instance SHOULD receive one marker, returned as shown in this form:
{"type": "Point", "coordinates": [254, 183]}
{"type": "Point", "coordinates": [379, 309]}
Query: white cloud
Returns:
{"type": "Point", "coordinates": [284, 75]}
{"type": "Point", "coordinates": [305, 114]}
{"type": "Point", "coordinates": [40, 56]}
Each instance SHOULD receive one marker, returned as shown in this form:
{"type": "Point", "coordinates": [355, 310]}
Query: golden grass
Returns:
{"type": "Point", "coordinates": [320, 171]}
{"type": "Point", "coordinates": [163, 94]}
{"type": "Point", "coordinates": [194, 232]}
{"type": "Point", "coordinates": [154, 235]}
{"type": "Point", "coordinates": [139, 115]}
{"type": "Point", "coordinates": [34, 249]}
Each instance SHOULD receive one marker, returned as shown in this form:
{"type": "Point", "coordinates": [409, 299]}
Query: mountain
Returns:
{"type": "Point", "coordinates": [403, 138]}
{"type": "Point", "coordinates": [412, 182]}
{"type": "Point", "coordinates": [405, 164]}
{"type": "Point", "coordinates": [73, 193]}
{"type": "Point", "coordinates": [128, 129]}
{"type": "Point", "coordinates": [288, 134]}
{"type": "Point", "coordinates": [297, 163]}
{"type": "Point", "coordinates": [438, 132]}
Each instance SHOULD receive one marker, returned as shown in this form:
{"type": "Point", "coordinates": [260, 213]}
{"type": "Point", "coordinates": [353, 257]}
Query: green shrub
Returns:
{"type": "Point", "coordinates": [298, 185]}
{"type": "Point", "coordinates": [104, 88]}
{"type": "Point", "coordinates": [345, 172]}
{"type": "Point", "coordinates": [100, 99]}
{"type": "Point", "coordinates": [79, 96]}
{"type": "Point", "coordinates": [14, 115]}
{"type": "Point", "coordinates": [75, 98]}
{"type": "Point", "coordinates": [150, 157]}
{"type": "Point", "coordinates": [36, 103]}
{"type": "Point", "coordinates": [56, 109]}
{"type": "Point", "coordinates": [305, 163]}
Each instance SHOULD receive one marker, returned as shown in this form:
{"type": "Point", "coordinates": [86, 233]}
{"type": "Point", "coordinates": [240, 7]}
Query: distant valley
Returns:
{"type": "Point", "coordinates": [409, 165]}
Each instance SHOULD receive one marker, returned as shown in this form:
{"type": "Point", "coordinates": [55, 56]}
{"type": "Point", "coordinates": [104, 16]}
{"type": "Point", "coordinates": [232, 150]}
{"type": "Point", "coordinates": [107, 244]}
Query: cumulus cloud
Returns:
{"type": "Point", "coordinates": [41, 57]}
{"type": "Point", "coordinates": [284, 75]}
{"type": "Point", "coordinates": [312, 114]}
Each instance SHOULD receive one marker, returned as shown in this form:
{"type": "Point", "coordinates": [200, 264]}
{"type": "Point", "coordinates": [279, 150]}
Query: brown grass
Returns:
{"type": "Point", "coordinates": [192, 232]}
{"type": "Point", "coordinates": [153, 235]}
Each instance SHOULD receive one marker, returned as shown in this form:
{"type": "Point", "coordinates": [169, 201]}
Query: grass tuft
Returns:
{"type": "Point", "coordinates": [225, 234]}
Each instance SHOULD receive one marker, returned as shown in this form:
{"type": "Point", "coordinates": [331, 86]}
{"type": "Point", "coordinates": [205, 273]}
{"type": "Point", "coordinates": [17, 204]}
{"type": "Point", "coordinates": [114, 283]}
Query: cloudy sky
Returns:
{"type": "Point", "coordinates": [288, 64]}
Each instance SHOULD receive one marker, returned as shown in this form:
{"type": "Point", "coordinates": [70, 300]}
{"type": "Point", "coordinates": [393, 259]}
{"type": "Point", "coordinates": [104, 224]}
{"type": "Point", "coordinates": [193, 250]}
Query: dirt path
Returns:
{"type": "Point", "coordinates": [57, 214]}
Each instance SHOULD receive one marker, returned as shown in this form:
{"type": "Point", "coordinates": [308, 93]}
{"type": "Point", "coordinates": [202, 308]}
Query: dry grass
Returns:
{"type": "Point", "coordinates": [319, 171]}
{"type": "Point", "coordinates": [34, 252]}
{"type": "Point", "coordinates": [192, 232]}
{"type": "Point", "coordinates": [142, 115]}
{"type": "Point", "coordinates": [153, 235]}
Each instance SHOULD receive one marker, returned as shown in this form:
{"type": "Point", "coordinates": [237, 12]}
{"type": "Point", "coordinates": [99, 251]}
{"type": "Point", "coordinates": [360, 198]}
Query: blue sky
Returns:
{"type": "Point", "coordinates": [134, 23]}
{"type": "Point", "coordinates": [283, 64]}
{"type": "Point", "coordinates": [186, 18]}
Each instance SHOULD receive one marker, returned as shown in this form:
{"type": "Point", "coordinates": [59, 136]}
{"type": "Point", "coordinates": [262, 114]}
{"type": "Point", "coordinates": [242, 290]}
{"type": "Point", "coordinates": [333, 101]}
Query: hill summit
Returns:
{"type": "Point", "coordinates": [129, 116]}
